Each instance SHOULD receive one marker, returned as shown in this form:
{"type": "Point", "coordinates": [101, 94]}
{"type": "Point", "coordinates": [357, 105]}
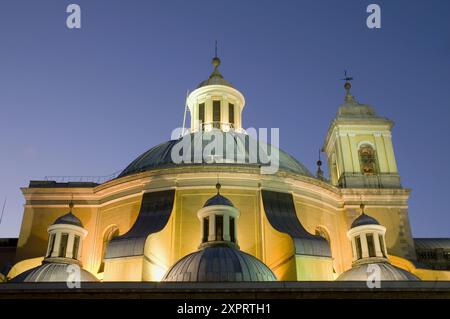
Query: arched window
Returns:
{"type": "Point", "coordinates": [110, 233]}
{"type": "Point", "coordinates": [367, 159]}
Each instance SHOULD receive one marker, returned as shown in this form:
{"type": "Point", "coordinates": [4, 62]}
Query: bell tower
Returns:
{"type": "Point", "coordinates": [359, 147]}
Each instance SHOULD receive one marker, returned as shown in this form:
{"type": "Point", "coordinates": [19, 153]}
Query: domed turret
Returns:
{"type": "Point", "coordinates": [216, 104]}
{"type": "Point", "coordinates": [219, 258]}
{"type": "Point", "coordinates": [66, 235]}
{"type": "Point", "coordinates": [367, 237]}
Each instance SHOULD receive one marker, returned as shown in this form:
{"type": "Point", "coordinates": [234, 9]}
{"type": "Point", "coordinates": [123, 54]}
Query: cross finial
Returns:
{"type": "Point", "coordinates": [347, 80]}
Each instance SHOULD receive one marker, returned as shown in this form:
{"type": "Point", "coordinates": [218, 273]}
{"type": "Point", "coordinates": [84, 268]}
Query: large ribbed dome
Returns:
{"type": "Point", "coordinates": [51, 272]}
{"type": "Point", "coordinates": [160, 155]}
{"type": "Point", "coordinates": [388, 272]}
{"type": "Point", "coordinates": [219, 263]}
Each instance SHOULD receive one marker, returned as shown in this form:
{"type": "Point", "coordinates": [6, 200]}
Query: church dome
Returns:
{"type": "Point", "coordinates": [388, 272]}
{"type": "Point", "coordinates": [160, 155]}
{"type": "Point", "coordinates": [219, 263]}
{"type": "Point", "coordinates": [68, 219]}
{"type": "Point", "coordinates": [52, 272]}
{"type": "Point", "coordinates": [363, 220]}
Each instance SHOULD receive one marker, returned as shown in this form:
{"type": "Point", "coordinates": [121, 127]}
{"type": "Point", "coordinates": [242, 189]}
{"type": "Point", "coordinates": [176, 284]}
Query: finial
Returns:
{"type": "Point", "coordinates": [215, 60]}
{"type": "Point", "coordinates": [347, 85]}
{"type": "Point", "coordinates": [218, 186]}
{"type": "Point", "coordinates": [362, 206]}
{"type": "Point", "coordinates": [71, 204]}
{"type": "Point", "coordinates": [319, 170]}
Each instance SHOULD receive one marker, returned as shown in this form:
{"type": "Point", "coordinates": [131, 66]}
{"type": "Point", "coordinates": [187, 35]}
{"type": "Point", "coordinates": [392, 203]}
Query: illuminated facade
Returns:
{"type": "Point", "coordinates": [139, 225]}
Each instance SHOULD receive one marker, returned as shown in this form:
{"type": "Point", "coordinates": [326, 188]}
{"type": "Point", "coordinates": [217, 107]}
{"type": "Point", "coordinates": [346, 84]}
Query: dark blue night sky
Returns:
{"type": "Point", "coordinates": [87, 102]}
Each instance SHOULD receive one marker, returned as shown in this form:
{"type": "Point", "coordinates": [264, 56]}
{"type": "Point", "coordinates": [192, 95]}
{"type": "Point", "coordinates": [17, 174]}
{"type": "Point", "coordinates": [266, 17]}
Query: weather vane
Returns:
{"type": "Point", "coordinates": [346, 77]}
{"type": "Point", "coordinates": [347, 84]}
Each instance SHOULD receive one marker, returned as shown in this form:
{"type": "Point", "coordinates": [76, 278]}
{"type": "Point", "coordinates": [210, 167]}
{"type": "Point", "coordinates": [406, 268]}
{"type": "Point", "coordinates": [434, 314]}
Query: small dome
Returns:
{"type": "Point", "coordinates": [51, 272]}
{"type": "Point", "coordinates": [364, 219]}
{"type": "Point", "coordinates": [218, 200]}
{"type": "Point", "coordinates": [215, 78]}
{"type": "Point", "coordinates": [388, 272]}
{"type": "Point", "coordinates": [219, 263]}
{"type": "Point", "coordinates": [68, 219]}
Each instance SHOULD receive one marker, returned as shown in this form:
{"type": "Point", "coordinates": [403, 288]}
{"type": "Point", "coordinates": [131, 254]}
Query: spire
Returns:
{"type": "Point", "coordinates": [319, 170]}
{"type": "Point", "coordinates": [362, 206]}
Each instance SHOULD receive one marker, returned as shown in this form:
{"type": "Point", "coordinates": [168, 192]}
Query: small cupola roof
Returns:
{"type": "Point", "coordinates": [351, 107]}
{"type": "Point", "coordinates": [216, 78]}
{"type": "Point", "coordinates": [69, 218]}
{"type": "Point", "coordinates": [218, 199]}
{"type": "Point", "coordinates": [364, 219]}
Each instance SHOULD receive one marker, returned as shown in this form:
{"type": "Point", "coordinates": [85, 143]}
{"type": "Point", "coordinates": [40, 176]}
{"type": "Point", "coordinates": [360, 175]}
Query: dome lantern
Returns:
{"type": "Point", "coordinates": [219, 258]}
{"type": "Point", "coordinates": [216, 104]}
{"type": "Point", "coordinates": [218, 220]}
{"type": "Point", "coordinates": [66, 235]}
{"type": "Point", "coordinates": [367, 237]}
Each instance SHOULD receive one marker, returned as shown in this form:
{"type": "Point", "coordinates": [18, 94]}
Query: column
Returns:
{"type": "Point", "coordinates": [224, 114]}
{"type": "Point", "coordinates": [70, 242]}
{"type": "Point", "coordinates": [212, 228]}
{"type": "Point", "coordinates": [346, 153]}
{"type": "Point", "coordinates": [355, 254]}
{"type": "Point", "coordinates": [376, 240]}
{"type": "Point", "coordinates": [381, 154]}
{"type": "Point", "coordinates": [354, 152]}
{"type": "Point", "coordinates": [208, 109]}
{"type": "Point", "coordinates": [365, 250]}
{"type": "Point", "coordinates": [387, 139]}
{"type": "Point", "coordinates": [57, 245]}
{"type": "Point", "coordinates": [226, 227]}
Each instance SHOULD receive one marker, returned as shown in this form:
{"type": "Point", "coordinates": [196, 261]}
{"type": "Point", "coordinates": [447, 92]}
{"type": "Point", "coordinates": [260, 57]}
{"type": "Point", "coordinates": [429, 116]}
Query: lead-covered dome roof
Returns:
{"type": "Point", "coordinates": [160, 155]}
{"type": "Point", "coordinates": [219, 263]}
{"type": "Point", "coordinates": [68, 219]}
{"type": "Point", "coordinates": [52, 272]}
{"type": "Point", "coordinates": [218, 200]}
{"type": "Point", "coordinates": [216, 78]}
{"type": "Point", "coordinates": [388, 272]}
{"type": "Point", "coordinates": [364, 219]}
